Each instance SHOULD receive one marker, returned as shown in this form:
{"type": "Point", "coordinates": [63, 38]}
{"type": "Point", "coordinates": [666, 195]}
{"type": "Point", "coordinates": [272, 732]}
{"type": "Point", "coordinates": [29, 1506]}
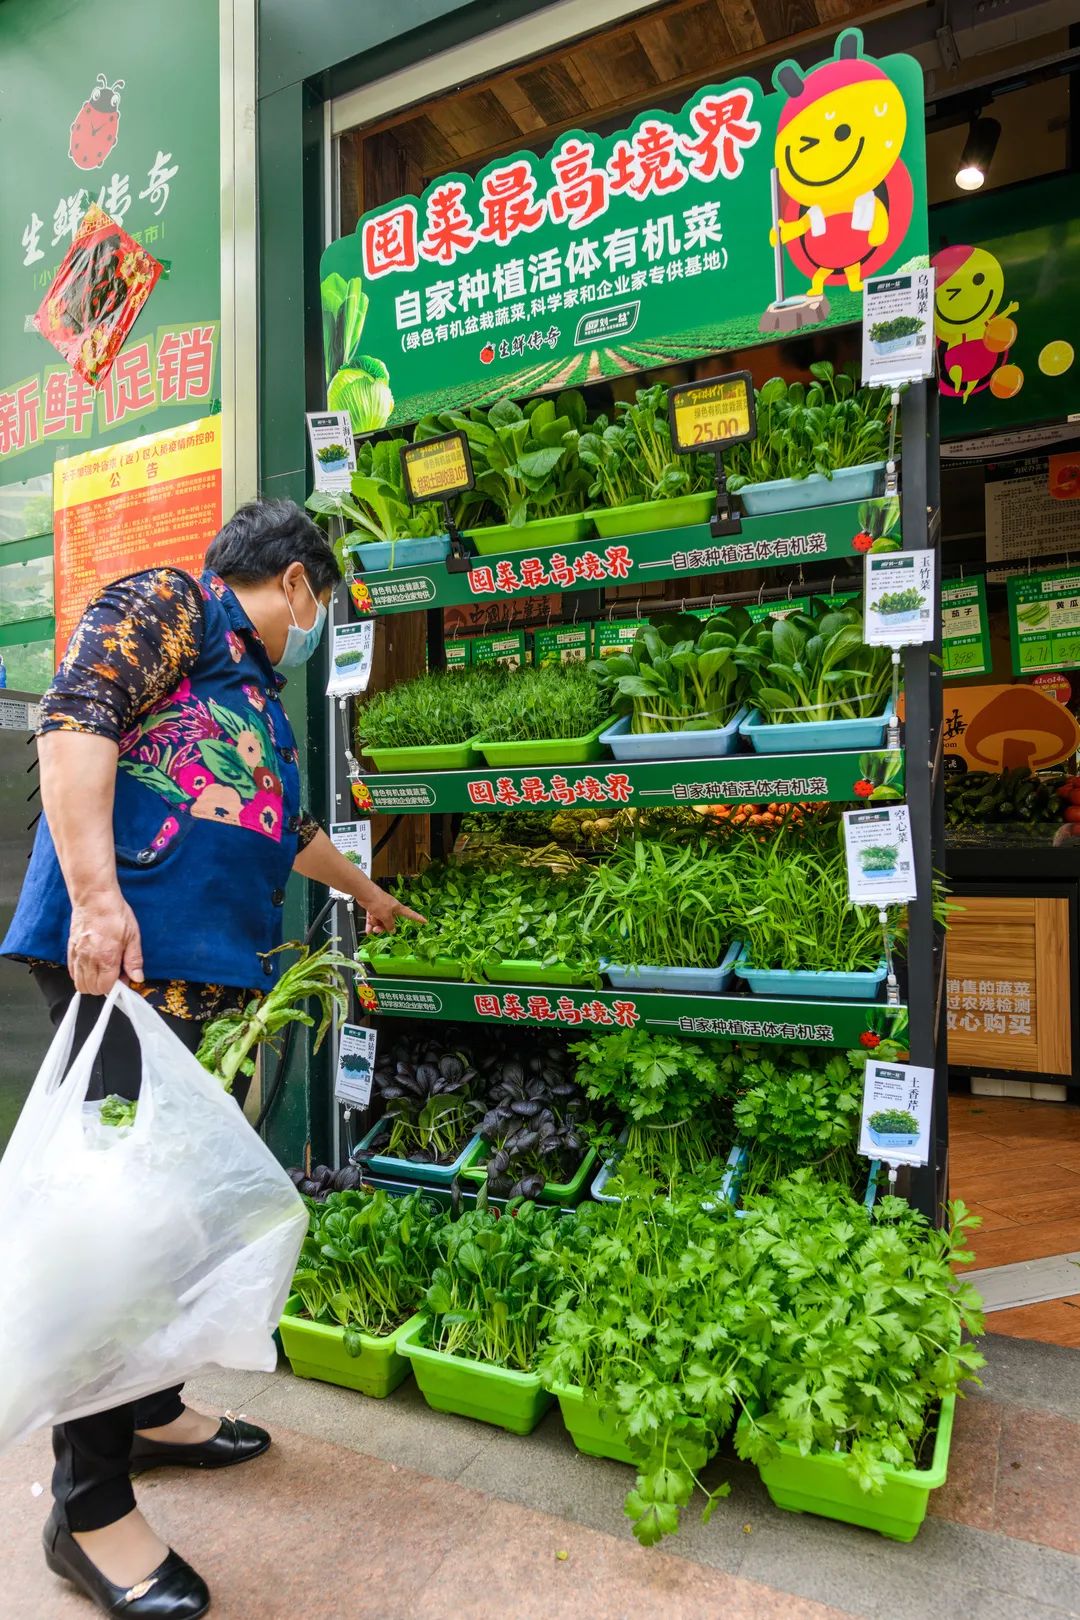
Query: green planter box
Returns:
{"type": "Point", "coordinates": [564, 1193]}
{"type": "Point", "coordinates": [589, 1429]}
{"type": "Point", "coordinates": [411, 967]}
{"type": "Point", "coordinates": [511, 1400]}
{"type": "Point", "coordinates": [451, 757]}
{"type": "Point", "coordinates": [551, 751]}
{"type": "Point", "coordinates": [495, 538]}
{"type": "Point", "coordinates": [647, 517]}
{"type": "Point", "coordinates": [519, 971]}
{"type": "Point", "coordinates": [316, 1350]}
{"type": "Point", "coordinates": [821, 1484]}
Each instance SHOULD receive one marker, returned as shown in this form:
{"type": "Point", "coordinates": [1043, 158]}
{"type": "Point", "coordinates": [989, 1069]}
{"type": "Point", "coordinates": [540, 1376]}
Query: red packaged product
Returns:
{"type": "Point", "coordinates": [99, 289]}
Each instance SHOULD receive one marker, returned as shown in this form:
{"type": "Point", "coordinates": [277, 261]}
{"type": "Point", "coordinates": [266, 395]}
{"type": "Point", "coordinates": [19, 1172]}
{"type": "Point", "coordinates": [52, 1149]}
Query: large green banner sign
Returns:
{"type": "Point", "coordinates": [658, 243]}
{"type": "Point", "coordinates": [1006, 314]}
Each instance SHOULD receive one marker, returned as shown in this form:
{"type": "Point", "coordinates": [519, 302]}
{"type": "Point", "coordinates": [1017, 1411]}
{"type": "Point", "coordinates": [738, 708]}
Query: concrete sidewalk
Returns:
{"type": "Point", "coordinates": [369, 1510]}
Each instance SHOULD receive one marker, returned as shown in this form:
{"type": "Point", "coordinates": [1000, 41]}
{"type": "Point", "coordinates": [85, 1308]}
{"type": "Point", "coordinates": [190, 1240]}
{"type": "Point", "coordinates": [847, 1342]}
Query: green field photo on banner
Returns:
{"type": "Point", "coordinates": [684, 235]}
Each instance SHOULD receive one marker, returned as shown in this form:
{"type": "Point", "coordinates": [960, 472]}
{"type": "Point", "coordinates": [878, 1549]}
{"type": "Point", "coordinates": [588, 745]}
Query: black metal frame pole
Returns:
{"type": "Point", "coordinates": [920, 526]}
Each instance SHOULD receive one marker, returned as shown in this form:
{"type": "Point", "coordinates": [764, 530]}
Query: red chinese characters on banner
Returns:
{"type": "Point", "coordinates": [185, 365]}
{"type": "Point", "coordinates": [508, 203]}
{"type": "Point", "coordinates": [69, 405]}
{"type": "Point", "coordinates": [129, 387]}
{"type": "Point", "coordinates": [538, 1008]}
{"type": "Point", "coordinates": [648, 163]}
{"type": "Point", "coordinates": [613, 788]}
{"type": "Point", "coordinates": [388, 242]}
{"type": "Point", "coordinates": [725, 129]}
{"type": "Point", "coordinates": [450, 229]}
{"type": "Point", "coordinates": [19, 418]}
{"type": "Point", "coordinates": [580, 191]}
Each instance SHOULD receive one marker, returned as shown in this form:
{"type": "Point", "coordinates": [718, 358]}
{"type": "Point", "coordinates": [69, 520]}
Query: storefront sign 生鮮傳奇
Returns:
{"type": "Point", "coordinates": [613, 255]}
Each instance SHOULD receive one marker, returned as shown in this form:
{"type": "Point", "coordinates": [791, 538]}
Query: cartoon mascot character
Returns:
{"type": "Point", "coordinates": [845, 195]}
{"type": "Point", "coordinates": [974, 333]}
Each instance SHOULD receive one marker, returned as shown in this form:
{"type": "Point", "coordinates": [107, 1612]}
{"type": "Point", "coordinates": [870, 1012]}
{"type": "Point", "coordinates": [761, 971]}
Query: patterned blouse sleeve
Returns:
{"type": "Point", "coordinates": [135, 642]}
{"type": "Point", "coordinates": [308, 828]}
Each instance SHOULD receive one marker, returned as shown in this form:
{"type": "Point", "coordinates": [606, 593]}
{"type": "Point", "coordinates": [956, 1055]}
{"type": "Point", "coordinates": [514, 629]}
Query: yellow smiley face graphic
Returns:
{"type": "Point", "coordinates": [967, 299]}
{"type": "Point", "coordinates": [842, 145]}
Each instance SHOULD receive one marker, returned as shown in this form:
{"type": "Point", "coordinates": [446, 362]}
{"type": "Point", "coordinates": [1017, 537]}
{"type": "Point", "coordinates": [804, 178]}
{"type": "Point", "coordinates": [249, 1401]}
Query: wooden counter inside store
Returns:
{"type": "Point", "coordinates": [1013, 954]}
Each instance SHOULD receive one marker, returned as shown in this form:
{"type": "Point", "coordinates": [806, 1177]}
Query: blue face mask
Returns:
{"type": "Point", "coordinates": [300, 644]}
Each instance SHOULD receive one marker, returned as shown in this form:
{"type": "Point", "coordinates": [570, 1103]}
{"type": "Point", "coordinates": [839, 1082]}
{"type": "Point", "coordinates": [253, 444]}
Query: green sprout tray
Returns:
{"type": "Point", "coordinates": [451, 757]}
{"type": "Point", "coordinates": [317, 1350]}
{"type": "Point", "coordinates": [411, 967]}
{"type": "Point", "coordinates": [551, 751]}
{"type": "Point", "coordinates": [474, 1389]}
{"type": "Point", "coordinates": [558, 974]}
{"type": "Point", "coordinates": [566, 1193]}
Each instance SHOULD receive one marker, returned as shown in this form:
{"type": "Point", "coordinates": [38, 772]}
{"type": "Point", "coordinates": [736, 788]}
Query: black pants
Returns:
{"type": "Point", "coordinates": [91, 1482]}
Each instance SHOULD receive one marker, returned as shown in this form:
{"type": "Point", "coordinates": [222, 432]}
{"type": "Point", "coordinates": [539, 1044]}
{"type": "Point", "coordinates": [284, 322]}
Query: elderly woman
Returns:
{"type": "Point", "coordinates": [171, 821]}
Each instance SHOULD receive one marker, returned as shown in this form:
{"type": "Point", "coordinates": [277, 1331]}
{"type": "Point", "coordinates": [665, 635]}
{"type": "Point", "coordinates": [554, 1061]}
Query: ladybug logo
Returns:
{"type": "Point", "coordinates": [94, 132]}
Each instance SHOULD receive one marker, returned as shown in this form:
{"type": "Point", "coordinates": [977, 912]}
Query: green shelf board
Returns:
{"type": "Point", "coordinates": [736, 779]}
{"type": "Point", "coordinates": [782, 539]}
{"type": "Point", "coordinates": [748, 1018]}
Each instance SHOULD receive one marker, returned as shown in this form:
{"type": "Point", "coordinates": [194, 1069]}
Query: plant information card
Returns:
{"type": "Point", "coordinates": [899, 598]}
{"type": "Point", "coordinates": [353, 840]}
{"type": "Point", "coordinates": [897, 1101]}
{"type": "Point", "coordinates": [333, 449]}
{"type": "Point", "coordinates": [356, 1061]}
{"type": "Point", "coordinates": [965, 633]}
{"type": "Point", "coordinates": [351, 652]}
{"type": "Point", "coordinates": [898, 328]}
{"type": "Point", "coordinates": [1044, 621]}
{"type": "Point", "coordinates": [880, 859]}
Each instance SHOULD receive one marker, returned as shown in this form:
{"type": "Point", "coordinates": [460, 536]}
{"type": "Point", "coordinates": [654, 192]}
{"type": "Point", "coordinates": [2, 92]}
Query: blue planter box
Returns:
{"type": "Point", "coordinates": [809, 737]}
{"type": "Point", "coordinates": [435, 1175]}
{"type": "Point", "coordinates": [892, 1139]}
{"type": "Point", "coordinates": [740, 1158]}
{"type": "Point", "coordinates": [907, 617]}
{"type": "Point", "coordinates": [894, 345]}
{"type": "Point", "coordinates": [673, 744]}
{"type": "Point", "coordinates": [820, 986]}
{"type": "Point", "coordinates": [378, 556]}
{"type": "Point", "coordinates": [790, 494]}
{"type": "Point", "coordinates": [703, 981]}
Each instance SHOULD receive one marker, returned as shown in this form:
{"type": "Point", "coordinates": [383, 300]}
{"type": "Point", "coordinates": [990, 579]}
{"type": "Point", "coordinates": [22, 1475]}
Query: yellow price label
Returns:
{"type": "Point", "coordinates": [713, 414]}
{"type": "Point", "coordinates": [437, 468]}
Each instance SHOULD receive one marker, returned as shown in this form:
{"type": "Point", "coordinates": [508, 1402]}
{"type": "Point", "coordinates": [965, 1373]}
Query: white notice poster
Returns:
{"type": "Point", "coordinates": [356, 1061]}
{"type": "Point", "coordinates": [333, 449]}
{"type": "Point", "coordinates": [880, 860]}
{"type": "Point", "coordinates": [896, 1113]}
{"type": "Point", "coordinates": [351, 649]}
{"type": "Point", "coordinates": [353, 840]}
{"type": "Point", "coordinates": [899, 598]}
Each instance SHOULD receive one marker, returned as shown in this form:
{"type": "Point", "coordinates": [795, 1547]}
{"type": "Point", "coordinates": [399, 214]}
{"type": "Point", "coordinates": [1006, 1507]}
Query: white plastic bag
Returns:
{"type": "Point", "coordinates": [131, 1257]}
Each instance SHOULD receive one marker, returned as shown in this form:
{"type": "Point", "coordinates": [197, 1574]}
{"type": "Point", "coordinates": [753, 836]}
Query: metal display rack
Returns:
{"type": "Point", "coordinates": [784, 541]}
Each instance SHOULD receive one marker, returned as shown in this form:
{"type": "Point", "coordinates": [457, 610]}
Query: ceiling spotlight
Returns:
{"type": "Point", "coordinates": [978, 153]}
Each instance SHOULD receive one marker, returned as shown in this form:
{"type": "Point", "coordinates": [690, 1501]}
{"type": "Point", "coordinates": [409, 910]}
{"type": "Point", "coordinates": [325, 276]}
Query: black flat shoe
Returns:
{"type": "Point", "coordinates": [235, 1442]}
{"type": "Point", "coordinates": [173, 1591]}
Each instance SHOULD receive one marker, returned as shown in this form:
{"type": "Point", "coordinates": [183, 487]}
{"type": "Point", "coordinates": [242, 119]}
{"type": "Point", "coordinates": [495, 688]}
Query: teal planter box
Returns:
{"type": "Point", "coordinates": [821, 1484]}
{"type": "Point", "coordinates": [702, 981]}
{"type": "Point", "coordinates": [800, 985]}
{"type": "Point", "coordinates": [436, 1175]}
{"type": "Point", "coordinates": [712, 744]}
{"type": "Point", "coordinates": [892, 1139]}
{"type": "Point", "coordinates": [510, 1400]}
{"type": "Point", "coordinates": [381, 556]}
{"type": "Point", "coordinates": [589, 1428]}
{"type": "Point", "coordinates": [739, 1158]}
{"type": "Point", "coordinates": [815, 736]}
{"type": "Point", "coordinates": [317, 1350]}
{"type": "Point", "coordinates": [791, 494]}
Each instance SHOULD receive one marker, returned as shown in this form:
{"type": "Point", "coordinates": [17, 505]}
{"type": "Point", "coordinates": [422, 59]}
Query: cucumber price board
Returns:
{"type": "Point", "coordinates": [964, 630]}
{"type": "Point", "coordinates": [1044, 621]}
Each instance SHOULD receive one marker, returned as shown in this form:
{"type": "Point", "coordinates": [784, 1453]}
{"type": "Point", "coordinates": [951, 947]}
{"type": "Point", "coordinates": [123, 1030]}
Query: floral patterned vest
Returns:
{"type": "Point", "coordinates": [205, 821]}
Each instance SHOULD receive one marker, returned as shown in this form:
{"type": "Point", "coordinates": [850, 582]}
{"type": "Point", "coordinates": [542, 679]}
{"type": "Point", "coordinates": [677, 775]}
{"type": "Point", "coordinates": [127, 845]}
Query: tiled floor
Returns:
{"type": "Point", "coordinates": [1016, 1164]}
